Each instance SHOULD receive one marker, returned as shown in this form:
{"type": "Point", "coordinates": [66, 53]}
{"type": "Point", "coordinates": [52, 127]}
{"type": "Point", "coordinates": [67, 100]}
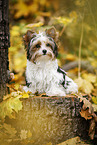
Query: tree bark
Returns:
{"type": "Point", "coordinates": [4, 44]}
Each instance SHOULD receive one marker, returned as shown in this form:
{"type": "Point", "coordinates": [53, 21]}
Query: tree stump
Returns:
{"type": "Point", "coordinates": [50, 120]}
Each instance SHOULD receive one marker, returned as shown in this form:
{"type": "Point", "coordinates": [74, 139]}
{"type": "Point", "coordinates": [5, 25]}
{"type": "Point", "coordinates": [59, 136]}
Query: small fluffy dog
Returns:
{"type": "Point", "coordinates": [43, 75]}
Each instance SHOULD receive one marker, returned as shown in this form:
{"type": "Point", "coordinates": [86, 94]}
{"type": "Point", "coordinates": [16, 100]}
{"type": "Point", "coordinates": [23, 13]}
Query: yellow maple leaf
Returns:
{"type": "Point", "coordinates": [10, 105]}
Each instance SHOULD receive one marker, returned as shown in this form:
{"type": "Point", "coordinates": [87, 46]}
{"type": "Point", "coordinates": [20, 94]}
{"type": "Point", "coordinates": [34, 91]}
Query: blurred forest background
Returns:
{"type": "Point", "coordinates": [76, 22]}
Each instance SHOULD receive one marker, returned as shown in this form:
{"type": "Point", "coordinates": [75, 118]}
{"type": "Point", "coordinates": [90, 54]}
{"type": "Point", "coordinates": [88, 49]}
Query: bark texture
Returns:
{"type": "Point", "coordinates": [50, 120]}
{"type": "Point", "coordinates": [4, 44]}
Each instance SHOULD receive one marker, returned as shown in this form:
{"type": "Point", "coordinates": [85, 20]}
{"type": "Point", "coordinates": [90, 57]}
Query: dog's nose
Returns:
{"type": "Point", "coordinates": [44, 51]}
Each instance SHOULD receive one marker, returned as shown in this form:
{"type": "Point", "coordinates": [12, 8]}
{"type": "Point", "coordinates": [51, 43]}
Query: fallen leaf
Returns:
{"type": "Point", "coordinates": [92, 129]}
{"type": "Point", "coordinates": [7, 107]}
{"type": "Point", "coordinates": [87, 106]}
{"type": "Point", "coordinates": [25, 95]}
{"type": "Point", "coordinates": [85, 114]}
{"type": "Point", "coordinates": [23, 134]}
{"type": "Point", "coordinates": [9, 130]}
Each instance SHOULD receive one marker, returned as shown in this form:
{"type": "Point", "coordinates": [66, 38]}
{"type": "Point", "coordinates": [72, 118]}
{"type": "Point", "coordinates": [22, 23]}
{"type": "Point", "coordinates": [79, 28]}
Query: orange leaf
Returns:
{"type": "Point", "coordinates": [86, 114]}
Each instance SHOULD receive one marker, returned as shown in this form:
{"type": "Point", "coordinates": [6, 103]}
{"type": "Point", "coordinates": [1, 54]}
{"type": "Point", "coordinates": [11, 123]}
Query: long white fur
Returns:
{"type": "Point", "coordinates": [44, 77]}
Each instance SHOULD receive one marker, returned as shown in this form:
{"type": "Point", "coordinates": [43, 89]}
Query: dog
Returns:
{"type": "Point", "coordinates": [43, 75]}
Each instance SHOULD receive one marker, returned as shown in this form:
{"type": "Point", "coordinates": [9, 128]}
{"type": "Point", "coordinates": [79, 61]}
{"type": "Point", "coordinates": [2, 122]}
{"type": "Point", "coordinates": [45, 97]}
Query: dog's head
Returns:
{"type": "Point", "coordinates": [41, 46]}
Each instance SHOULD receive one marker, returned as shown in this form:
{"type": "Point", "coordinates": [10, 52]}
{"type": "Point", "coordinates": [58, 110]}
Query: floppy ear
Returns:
{"type": "Point", "coordinates": [27, 37]}
{"type": "Point", "coordinates": [51, 32]}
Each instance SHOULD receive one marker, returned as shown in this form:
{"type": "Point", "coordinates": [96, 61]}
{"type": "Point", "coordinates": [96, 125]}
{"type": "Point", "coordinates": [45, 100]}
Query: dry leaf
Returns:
{"type": "Point", "coordinates": [23, 134]}
{"type": "Point", "coordinates": [85, 114]}
{"type": "Point", "coordinates": [86, 103]}
{"type": "Point", "coordinates": [10, 105]}
{"type": "Point", "coordinates": [9, 130]}
{"type": "Point", "coordinates": [92, 129]}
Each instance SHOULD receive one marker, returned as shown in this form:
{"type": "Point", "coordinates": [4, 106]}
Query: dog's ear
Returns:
{"type": "Point", "coordinates": [51, 32]}
{"type": "Point", "coordinates": [27, 37]}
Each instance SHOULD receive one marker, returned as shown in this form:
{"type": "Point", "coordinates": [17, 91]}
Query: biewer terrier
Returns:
{"type": "Point", "coordinates": [43, 75]}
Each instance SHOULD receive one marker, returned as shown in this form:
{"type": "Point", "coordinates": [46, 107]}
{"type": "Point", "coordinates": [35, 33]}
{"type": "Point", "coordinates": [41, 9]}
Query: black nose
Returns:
{"type": "Point", "coordinates": [44, 52]}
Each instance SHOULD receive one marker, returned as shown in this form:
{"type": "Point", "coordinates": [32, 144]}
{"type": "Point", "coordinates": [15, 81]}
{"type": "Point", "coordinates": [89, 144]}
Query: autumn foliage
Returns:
{"type": "Point", "coordinates": [77, 41]}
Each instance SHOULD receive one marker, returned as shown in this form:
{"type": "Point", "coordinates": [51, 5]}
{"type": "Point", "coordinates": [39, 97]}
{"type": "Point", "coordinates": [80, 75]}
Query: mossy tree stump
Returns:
{"type": "Point", "coordinates": [50, 120]}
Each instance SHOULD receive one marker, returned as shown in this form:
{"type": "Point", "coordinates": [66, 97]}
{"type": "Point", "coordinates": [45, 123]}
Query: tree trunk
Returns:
{"type": "Point", "coordinates": [4, 44]}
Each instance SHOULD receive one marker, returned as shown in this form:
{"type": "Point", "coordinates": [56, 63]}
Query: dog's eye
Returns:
{"type": "Point", "coordinates": [48, 45]}
{"type": "Point", "coordinates": [37, 45]}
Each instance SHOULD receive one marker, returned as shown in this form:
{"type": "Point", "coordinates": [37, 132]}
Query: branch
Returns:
{"type": "Point", "coordinates": [84, 65]}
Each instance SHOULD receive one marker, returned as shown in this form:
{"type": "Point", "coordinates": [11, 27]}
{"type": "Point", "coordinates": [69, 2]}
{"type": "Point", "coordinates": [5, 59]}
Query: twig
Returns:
{"type": "Point", "coordinates": [84, 65]}
{"type": "Point", "coordinates": [62, 30]}
{"type": "Point", "coordinates": [80, 46]}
